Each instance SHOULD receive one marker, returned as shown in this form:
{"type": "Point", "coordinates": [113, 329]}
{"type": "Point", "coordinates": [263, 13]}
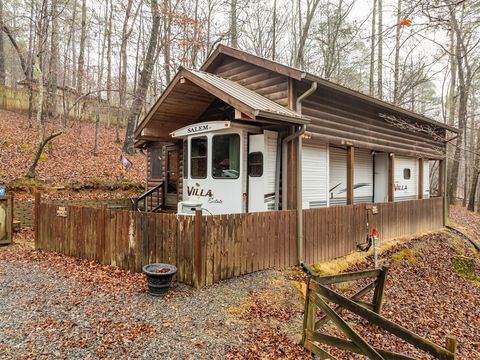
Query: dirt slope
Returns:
{"type": "Point", "coordinates": [68, 159]}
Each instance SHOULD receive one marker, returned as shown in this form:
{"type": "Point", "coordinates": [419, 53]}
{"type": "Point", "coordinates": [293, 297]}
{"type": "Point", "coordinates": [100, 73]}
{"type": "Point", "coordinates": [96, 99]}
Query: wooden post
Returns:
{"type": "Point", "coordinates": [442, 183]}
{"type": "Point", "coordinates": [441, 178]}
{"type": "Point", "coordinates": [309, 312]}
{"type": "Point", "coordinates": [420, 178]}
{"type": "Point", "coordinates": [451, 344]}
{"type": "Point", "coordinates": [38, 199]}
{"type": "Point", "coordinates": [197, 248]}
{"type": "Point", "coordinates": [379, 290]}
{"type": "Point", "coordinates": [350, 174]}
{"type": "Point", "coordinates": [391, 177]}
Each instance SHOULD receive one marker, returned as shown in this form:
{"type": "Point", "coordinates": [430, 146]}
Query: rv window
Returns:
{"type": "Point", "coordinates": [198, 159]}
{"type": "Point", "coordinates": [185, 159]}
{"type": "Point", "coordinates": [255, 164]}
{"type": "Point", "coordinates": [226, 156]}
{"type": "Point", "coordinates": [406, 174]}
{"type": "Point", "coordinates": [156, 162]}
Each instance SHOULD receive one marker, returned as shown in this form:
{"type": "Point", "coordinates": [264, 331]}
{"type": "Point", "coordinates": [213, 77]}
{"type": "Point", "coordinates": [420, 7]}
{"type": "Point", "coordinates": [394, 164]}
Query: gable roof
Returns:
{"type": "Point", "coordinates": [222, 50]}
{"type": "Point", "coordinates": [190, 93]}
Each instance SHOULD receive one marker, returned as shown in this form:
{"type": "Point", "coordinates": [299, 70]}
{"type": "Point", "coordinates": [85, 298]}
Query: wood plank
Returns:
{"type": "Point", "coordinates": [350, 346]}
{"type": "Point", "coordinates": [378, 320]}
{"type": "Point", "coordinates": [360, 342]}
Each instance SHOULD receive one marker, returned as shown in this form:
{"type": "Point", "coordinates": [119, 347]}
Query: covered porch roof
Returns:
{"type": "Point", "coordinates": [191, 92]}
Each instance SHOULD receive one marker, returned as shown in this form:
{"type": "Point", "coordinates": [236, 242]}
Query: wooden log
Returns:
{"type": "Point", "coordinates": [360, 342]}
{"type": "Point", "coordinates": [380, 321]}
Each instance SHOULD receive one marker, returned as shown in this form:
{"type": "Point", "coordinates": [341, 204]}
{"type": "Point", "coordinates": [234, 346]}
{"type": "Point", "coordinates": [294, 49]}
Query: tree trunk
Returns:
{"type": "Point", "coordinates": [54, 62]}
{"type": "Point", "coordinates": [380, 51]}
{"type": "Point", "coordinates": [81, 55]}
{"type": "Point", "coordinates": [372, 50]}
{"type": "Point", "coordinates": [476, 174]}
{"type": "Point", "coordinates": [396, 81]}
{"type": "Point", "coordinates": [233, 24]}
{"type": "Point", "coordinates": [2, 49]}
{"type": "Point", "coordinates": [109, 64]}
{"type": "Point", "coordinates": [145, 77]}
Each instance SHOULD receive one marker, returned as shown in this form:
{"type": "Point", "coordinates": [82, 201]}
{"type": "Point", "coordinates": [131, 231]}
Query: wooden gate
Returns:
{"type": "Point", "coordinates": [319, 295]}
{"type": "Point", "coordinates": [6, 220]}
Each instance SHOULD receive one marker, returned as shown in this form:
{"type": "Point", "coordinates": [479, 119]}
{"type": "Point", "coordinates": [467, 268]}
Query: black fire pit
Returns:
{"type": "Point", "coordinates": [159, 278]}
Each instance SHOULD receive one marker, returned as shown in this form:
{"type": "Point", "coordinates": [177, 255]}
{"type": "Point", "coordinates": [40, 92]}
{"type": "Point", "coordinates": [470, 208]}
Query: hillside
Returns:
{"type": "Point", "coordinates": [68, 159]}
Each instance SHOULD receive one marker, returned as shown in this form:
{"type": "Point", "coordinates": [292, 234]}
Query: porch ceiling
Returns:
{"type": "Point", "coordinates": [189, 95]}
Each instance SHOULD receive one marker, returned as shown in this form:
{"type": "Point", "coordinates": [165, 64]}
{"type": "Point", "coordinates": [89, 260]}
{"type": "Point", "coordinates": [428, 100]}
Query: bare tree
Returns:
{"type": "Point", "coordinates": [145, 77]}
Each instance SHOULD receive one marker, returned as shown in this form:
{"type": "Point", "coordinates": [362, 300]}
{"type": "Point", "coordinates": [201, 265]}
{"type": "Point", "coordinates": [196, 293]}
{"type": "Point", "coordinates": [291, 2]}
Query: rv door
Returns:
{"type": "Point", "coordinates": [261, 171]}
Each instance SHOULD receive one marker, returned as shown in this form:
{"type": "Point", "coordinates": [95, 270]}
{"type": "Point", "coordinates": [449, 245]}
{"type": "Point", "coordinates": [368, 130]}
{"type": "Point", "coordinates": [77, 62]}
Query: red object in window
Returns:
{"type": "Point", "coordinates": [374, 232]}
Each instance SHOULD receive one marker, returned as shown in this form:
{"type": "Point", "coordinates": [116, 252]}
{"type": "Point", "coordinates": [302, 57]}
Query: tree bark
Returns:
{"type": "Point", "coordinates": [145, 77]}
{"type": "Point", "coordinates": [396, 81]}
{"type": "Point", "coordinates": [2, 49]}
{"type": "Point", "coordinates": [380, 51]}
{"type": "Point", "coordinates": [81, 55]}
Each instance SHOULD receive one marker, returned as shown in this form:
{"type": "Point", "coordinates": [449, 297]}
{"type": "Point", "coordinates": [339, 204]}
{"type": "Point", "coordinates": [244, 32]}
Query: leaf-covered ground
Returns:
{"type": "Point", "coordinates": [59, 307]}
{"type": "Point", "coordinates": [69, 158]}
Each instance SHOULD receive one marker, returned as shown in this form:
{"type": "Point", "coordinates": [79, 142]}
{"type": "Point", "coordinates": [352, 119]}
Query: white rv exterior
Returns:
{"type": "Point", "coordinates": [232, 168]}
{"type": "Point", "coordinates": [314, 176]}
{"type": "Point", "coordinates": [363, 176]}
{"type": "Point", "coordinates": [406, 178]}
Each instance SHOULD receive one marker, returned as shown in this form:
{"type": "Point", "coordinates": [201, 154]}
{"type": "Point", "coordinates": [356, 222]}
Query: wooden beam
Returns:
{"type": "Point", "coordinates": [441, 178]}
{"type": "Point", "coordinates": [346, 277]}
{"type": "Point", "coordinates": [360, 342]}
{"type": "Point", "coordinates": [420, 178]}
{"type": "Point", "coordinates": [350, 174]}
{"type": "Point", "coordinates": [379, 290]}
{"type": "Point", "coordinates": [391, 177]}
{"type": "Point", "coordinates": [357, 296]}
{"type": "Point", "coordinates": [426, 345]}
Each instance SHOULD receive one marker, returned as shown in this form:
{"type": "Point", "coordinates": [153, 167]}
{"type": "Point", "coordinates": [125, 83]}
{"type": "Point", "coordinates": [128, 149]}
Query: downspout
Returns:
{"type": "Point", "coordinates": [300, 132]}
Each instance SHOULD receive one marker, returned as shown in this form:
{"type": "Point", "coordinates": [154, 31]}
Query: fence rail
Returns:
{"type": "Point", "coordinates": [208, 249]}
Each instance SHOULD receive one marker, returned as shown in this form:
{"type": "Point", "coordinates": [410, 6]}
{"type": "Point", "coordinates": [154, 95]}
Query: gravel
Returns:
{"type": "Point", "coordinates": [56, 307]}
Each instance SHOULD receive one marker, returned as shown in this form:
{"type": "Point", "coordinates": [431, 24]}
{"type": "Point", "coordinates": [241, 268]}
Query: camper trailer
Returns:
{"type": "Point", "coordinates": [244, 134]}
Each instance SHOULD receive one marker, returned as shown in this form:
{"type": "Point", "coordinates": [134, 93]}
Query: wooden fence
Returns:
{"type": "Point", "coordinates": [208, 249]}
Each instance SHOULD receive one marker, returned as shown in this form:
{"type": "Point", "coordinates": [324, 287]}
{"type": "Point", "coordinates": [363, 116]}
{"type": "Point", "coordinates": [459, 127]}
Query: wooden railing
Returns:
{"type": "Point", "coordinates": [151, 200]}
{"type": "Point", "coordinates": [319, 296]}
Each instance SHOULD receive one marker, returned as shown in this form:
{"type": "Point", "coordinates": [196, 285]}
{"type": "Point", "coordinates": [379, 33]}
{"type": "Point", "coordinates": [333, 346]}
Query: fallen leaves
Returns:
{"type": "Point", "coordinates": [68, 158]}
